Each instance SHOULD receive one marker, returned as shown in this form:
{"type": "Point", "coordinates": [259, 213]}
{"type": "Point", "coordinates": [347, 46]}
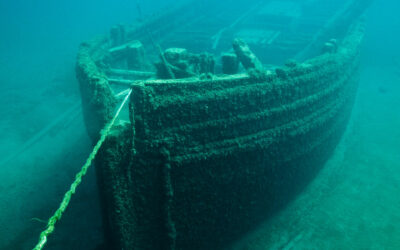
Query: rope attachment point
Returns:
{"type": "Point", "coordinates": [78, 179]}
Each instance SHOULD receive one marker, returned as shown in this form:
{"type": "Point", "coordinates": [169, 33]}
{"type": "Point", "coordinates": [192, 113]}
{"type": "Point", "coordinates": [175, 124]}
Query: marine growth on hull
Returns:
{"type": "Point", "coordinates": [234, 109]}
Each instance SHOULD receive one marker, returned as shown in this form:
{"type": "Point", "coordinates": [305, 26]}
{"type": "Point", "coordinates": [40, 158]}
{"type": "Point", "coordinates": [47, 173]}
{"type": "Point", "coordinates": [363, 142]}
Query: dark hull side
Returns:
{"type": "Point", "coordinates": [203, 162]}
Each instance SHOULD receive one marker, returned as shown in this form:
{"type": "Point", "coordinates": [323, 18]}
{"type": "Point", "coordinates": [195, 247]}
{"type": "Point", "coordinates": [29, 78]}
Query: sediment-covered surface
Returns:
{"type": "Point", "coordinates": [202, 162]}
{"type": "Point", "coordinates": [354, 202]}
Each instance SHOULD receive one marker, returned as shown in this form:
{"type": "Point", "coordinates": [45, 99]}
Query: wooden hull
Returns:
{"type": "Point", "coordinates": [202, 162]}
{"type": "Point", "coordinates": [207, 161]}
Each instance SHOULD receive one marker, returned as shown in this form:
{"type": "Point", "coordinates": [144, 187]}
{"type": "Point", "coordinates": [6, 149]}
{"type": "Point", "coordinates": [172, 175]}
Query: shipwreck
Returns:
{"type": "Point", "coordinates": [234, 109]}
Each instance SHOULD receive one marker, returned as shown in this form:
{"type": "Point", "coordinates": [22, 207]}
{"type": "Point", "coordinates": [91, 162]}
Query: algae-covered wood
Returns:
{"type": "Point", "coordinates": [203, 162]}
{"type": "Point", "coordinates": [204, 159]}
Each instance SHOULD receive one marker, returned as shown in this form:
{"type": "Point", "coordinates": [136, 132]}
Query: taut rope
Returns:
{"type": "Point", "coordinates": [78, 178]}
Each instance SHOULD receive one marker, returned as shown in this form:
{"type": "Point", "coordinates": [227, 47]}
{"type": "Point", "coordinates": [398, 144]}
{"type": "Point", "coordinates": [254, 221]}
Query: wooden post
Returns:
{"type": "Point", "coordinates": [246, 56]}
{"type": "Point", "coordinates": [230, 63]}
{"type": "Point", "coordinates": [135, 55]}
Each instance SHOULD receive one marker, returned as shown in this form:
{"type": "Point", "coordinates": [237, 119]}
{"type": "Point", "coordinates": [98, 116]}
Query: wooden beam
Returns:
{"type": "Point", "coordinates": [246, 56]}
{"type": "Point", "coordinates": [131, 73]}
{"type": "Point", "coordinates": [120, 82]}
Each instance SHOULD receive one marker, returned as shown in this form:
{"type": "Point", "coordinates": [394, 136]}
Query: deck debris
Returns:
{"type": "Point", "coordinates": [248, 59]}
{"type": "Point", "coordinates": [230, 63]}
{"type": "Point", "coordinates": [183, 64]}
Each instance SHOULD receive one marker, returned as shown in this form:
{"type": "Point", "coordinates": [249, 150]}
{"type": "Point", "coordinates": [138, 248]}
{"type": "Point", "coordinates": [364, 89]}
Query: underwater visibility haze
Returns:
{"type": "Point", "coordinates": [200, 124]}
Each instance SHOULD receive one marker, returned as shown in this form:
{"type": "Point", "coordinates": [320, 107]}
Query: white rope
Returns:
{"type": "Point", "coordinates": [78, 178]}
